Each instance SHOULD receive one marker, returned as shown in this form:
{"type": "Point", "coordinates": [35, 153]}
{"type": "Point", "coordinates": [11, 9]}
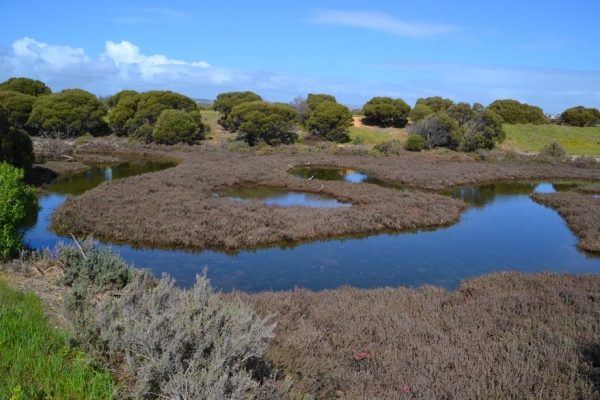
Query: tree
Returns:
{"type": "Point", "coordinates": [436, 131]}
{"type": "Point", "coordinates": [226, 101]}
{"type": "Point", "coordinates": [260, 121]}
{"type": "Point", "coordinates": [113, 100]}
{"type": "Point", "coordinates": [19, 106]}
{"type": "Point", "coordinates": [300, 104]}
{"type": "Point", "coordinates": [68, 114]}
{"type": "Point", "coordinates": [484, 131]}
{"type": "Point", "coordinates": [178, 126]}
{"type": "Point", "coordinates": [580, 116]}
{"type": "Point", "coordinates": [15, 145]}
{"type": "Point", "coordinates": [330, 121]}
{"type": "Point", "coordinates": [314, 100]}
{"type": "Point", "coordinates": [462, 113]}
{"type": "Point", "coordinates": [419, 112]}
{"type": "Point", "coordinates": [513, 112]}
{"type": "Point", "coordinates": [385, 111]}
{"type": "Point", "coordinates": [26, 86]}
{"type": "Point", "coordinates": [16, 199]}
{"type": "Point", "coordinates": [436, 103]}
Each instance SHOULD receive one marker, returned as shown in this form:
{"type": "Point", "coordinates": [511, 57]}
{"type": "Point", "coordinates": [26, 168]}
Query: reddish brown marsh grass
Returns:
{"type": "Point", "coordinates": [582, 213]}
{"type": "Point", "coordinates": [178, 207]}
{"type": "Point", "coordinates": [507, 335]}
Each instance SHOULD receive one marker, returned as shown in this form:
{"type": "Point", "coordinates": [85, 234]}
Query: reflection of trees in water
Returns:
{"type": "Point", "coordinates": [479, 196]}
{"type": "Point", "coordinates": [326, 174]}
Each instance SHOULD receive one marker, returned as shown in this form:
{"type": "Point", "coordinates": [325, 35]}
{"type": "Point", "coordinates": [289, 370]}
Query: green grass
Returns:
{"type": "Point", "coordinates": [575, 140]}
{"type": "Point", "coordinates": [35, 362]}
{"type": "Point", "coordinates": [373, 135]}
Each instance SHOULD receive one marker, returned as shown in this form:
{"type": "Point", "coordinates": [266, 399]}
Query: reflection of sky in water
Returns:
{"type": "Point", "coordinates": [503, 229]}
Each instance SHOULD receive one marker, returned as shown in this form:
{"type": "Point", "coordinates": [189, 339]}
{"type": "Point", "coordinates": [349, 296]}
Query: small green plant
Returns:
{"type": "Point", "coordinates": [16, 199]}
{"type": "Point", "coordinates": [553, 150]}
{"type": "Point", "coordinates": [358, 140]}
{"type": "Point", "coordinates": [414, 143]}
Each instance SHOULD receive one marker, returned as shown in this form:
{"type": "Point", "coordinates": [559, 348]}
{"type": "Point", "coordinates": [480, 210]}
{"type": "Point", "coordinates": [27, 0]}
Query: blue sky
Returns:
{"type": "Point", "coordinates": [544, 54]}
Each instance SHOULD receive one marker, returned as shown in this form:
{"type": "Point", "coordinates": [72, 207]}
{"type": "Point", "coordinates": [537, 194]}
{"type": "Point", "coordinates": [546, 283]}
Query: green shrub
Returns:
{"type": "Point", "coordinates": [553, 150]}
{"type": "Point", "coordinates": [414, 143]}
{"type": "Point", "coordinates": [177, 126]}
{"type": "Point", "coordinates": [16, 199]}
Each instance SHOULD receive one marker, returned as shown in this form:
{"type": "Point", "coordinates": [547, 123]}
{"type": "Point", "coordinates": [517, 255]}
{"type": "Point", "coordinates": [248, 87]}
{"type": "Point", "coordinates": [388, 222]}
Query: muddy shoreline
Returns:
{"type": "Point", "coordinates": [181, 207]}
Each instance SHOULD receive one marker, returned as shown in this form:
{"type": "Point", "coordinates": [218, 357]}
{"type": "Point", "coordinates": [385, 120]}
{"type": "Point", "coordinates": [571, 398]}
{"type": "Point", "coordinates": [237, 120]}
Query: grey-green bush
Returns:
{"type": "Point", "coordinates": [553, 150]}
{"type": "Point", "coordinates": [414, 142]}
{"type": "Point", "coordinates": [389, 147]}
{"type": "Point", "coordinates": [172, 343]}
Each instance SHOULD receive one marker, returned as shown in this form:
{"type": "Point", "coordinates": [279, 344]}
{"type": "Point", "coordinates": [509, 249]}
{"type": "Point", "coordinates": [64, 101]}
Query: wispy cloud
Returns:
{"type": "Point", "coordinates": [381, 22]}
{"type": "Point", "coordinates": [136, 15]}
{"type": "Point", "coordinates": [124, 66]}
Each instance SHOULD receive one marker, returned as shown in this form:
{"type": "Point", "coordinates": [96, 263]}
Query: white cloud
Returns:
{"type": "Point", "coordinates": [124, 66]}
{"type": "Point", "coordinates": [381, 22]}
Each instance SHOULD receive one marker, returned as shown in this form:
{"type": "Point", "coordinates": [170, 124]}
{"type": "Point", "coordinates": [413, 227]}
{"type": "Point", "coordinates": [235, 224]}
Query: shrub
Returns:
{"type": "Point", "coordinates": [553, 150]}
{"type": "Point", "coordinates": [177, 126]}
{"type": "Point", "coordinates": [173, 343]}
{"type": "Point", "coordinates": [16, 199]}
{"type": "Point", "coordinates": [390, 147]}
{"type": "Point", "coordinates": [414, 143]}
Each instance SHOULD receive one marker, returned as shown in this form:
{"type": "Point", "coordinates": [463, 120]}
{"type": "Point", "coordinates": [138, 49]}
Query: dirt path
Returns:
{"type": "Point", "coordinates": [357, 121]}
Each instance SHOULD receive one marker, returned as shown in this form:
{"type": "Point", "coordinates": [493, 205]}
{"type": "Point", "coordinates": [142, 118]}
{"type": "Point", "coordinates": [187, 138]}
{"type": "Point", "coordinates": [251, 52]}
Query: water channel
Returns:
{"type": "Point", "coordinates": [503, 229]}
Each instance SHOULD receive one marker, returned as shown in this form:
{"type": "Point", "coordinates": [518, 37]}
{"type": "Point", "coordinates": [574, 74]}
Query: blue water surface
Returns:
{"type": "Point", "coordinates": [503, 229]}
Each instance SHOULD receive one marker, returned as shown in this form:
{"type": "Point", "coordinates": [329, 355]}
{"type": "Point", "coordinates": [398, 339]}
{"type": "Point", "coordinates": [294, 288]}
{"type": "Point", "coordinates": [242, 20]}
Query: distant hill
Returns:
{"type": "Point", "coordinates": [204, 102]}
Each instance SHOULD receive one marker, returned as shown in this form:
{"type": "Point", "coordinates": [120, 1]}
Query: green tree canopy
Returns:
{"type": "Point", "coordinates": [436, 103]}
{"type": "Point", "coordinates": [16, 200]}
{"type": "Point", "coordinates": [419, 112]}
{"type": "Point", "coordinates": [580, 116]}
{"type": "Point", "coordinates": [260, 121]}
{"type": "Point", "coordinates": [385, 111]}
{"type": "Point", "coordinates": [113, 100]}
{"type": "Point", "coordinates": [177, 126]}
{"type": "Point", "coordinates": [484, 131]}
{"type": "Point", "coordinates": [462, 113]}
{"type": "Point", "coordinates": [514, 112]}
{"type": "Point", "coordinates": [226, 101]}
{"type": "Point", "coordinates": [19, 106]}
{"type": "Point", "coordinates": [15, 145]}
{"type": "Point", "coordinates": [67, 114]}
{"type": "Point", "coordinates": [135, 114]}
{"type": "Point", "coordinates": [313, 100]}
{"type": "Point", "coordinates": [330, 121]}
{"type": "Point", "coordinates": [26, 86]}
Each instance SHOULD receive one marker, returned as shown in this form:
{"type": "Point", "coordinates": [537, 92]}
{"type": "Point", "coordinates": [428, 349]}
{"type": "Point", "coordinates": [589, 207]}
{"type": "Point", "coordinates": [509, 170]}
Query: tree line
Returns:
{"type": "Point", "coordinates": [28, 108]}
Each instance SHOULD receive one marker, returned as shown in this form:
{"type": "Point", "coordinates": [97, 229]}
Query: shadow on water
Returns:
{"type": "Point", "coordinates": [502, 230]}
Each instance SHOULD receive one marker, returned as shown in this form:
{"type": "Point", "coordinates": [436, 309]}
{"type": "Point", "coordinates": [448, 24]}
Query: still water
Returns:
{"type": "Point", "coordinates": [503, 229]}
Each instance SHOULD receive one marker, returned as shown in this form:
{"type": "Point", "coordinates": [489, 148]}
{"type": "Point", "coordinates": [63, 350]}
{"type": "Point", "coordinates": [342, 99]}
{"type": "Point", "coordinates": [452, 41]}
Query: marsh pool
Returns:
{"type": "Point", "coordinates": [503, 229]}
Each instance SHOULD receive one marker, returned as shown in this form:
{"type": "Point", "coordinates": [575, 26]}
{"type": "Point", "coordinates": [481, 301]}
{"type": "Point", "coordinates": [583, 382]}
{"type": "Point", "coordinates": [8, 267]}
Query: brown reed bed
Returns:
{"type": "Point", "coordinates": [501, 336]}
{"type": "Point", "coordinates": [582, 213]}
{"type": "Point", "coordinates": [178, 207]}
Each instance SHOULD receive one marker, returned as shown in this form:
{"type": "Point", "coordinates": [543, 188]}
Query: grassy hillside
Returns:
{"type": "Point", "coordinates": [581, 141]}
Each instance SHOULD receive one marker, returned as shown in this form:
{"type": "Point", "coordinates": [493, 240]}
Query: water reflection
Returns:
{"type": "Point", "coordinates": [340, 174]}
{"type": "Point", "coordinates": [282, 197]}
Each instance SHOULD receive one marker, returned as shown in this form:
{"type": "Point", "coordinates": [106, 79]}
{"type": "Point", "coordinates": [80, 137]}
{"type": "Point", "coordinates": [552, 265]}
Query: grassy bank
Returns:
{"type": "Point", "coordinates": [575, 140]}
{"type": "Point", "coordinates": [34, 359]}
